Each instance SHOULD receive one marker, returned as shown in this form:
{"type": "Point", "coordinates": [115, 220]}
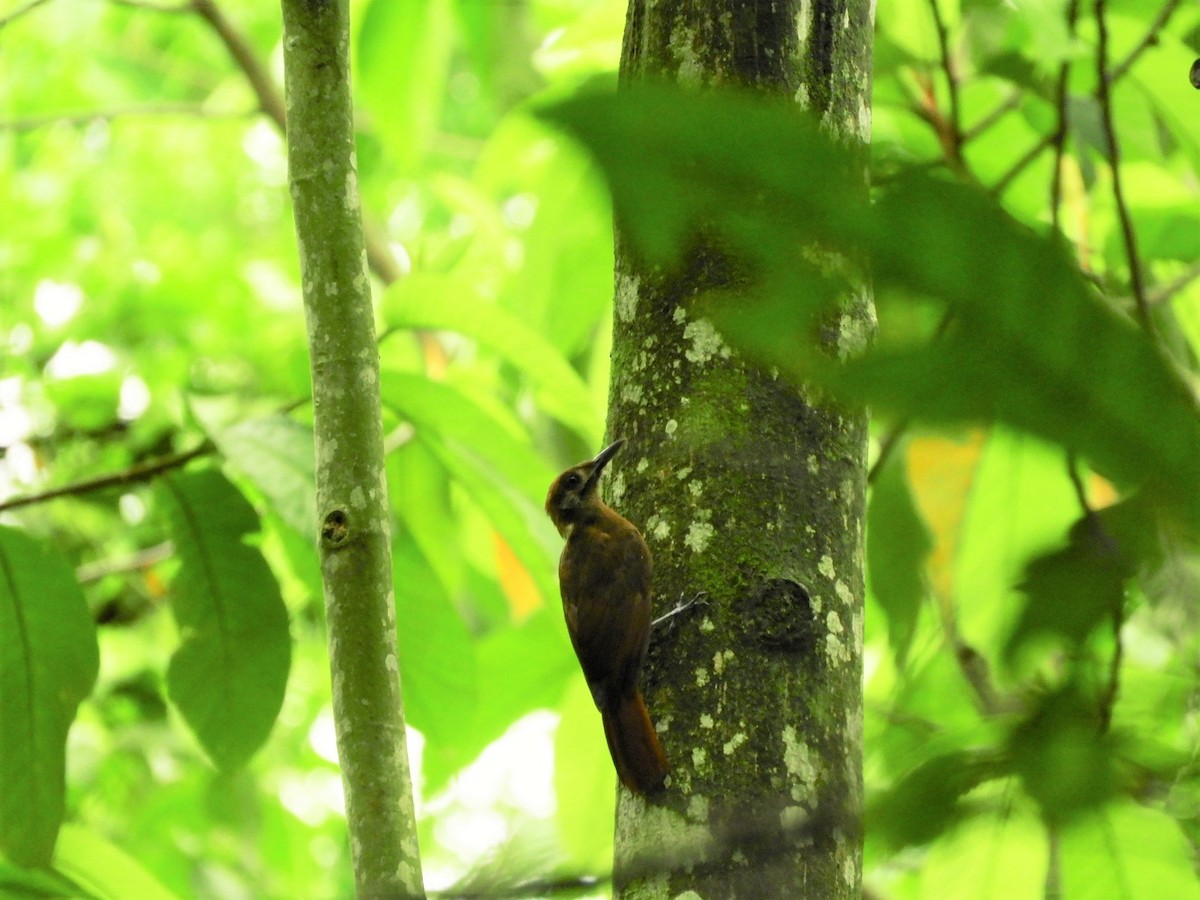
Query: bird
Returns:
{"type": "Point", "coordinates": [604, 576]}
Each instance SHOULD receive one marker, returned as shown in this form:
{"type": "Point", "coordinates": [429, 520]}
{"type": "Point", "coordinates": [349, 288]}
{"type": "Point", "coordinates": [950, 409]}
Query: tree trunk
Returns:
{"type": "Point", "coordinates": [352, 501]}
{"type": "Point", "coordinates": [753, 492]}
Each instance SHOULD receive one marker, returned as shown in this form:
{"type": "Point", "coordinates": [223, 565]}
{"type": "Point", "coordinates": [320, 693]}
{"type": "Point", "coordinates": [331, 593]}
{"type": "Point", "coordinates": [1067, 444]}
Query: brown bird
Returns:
{"type": "Point", "coordinates": [604, 579]}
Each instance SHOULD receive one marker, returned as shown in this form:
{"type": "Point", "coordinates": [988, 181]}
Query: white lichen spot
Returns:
{"type": "Point", "coordinates": [679, 315]}
{"type": "Point", "coordinates": [698, 808]}
{"type": "Point", "coordinates": [392, 666]}
{"type": "Point", "coordinates": [699, 757]}
{"type": "Point", "coordinates": [793, 818]}
{"type": "Point", "coordinates": [733, 743]}
{"type": "Point", "coordinates": [358, 499]}
{"type": "Point", "coordinates": [658, 527]}
{"type": "Point", "coordinates": [642, 465]}
{"type": "Point", "coordinates": [803, 20]}
{"type": "Point", "coordinates": [670, 427]}
{"type": "Point", "coordinates": [350, 197]}
{"type": "Point", "coordinates": [836, 650]}
{"type": "Point", "coordinates": [701, 676]}
{"type": "Point", "coordinates": [698, 536]}
{"type": "Point", "coordinates": [834, 623]}
{"type": "Point", "coordinates": [683, 473]}
{"type": "Point", "coordinates": [616, 487]}
{"type": "Point", "coordinates": [696, 488]}
{"type": "Point", "coordinates": [628, 289]}
{"type": "Point", "coordinates": [707, 626]}
{"type": "Point", "coordinates": [719, 659]}
{"type": "Point", "coordinates": [814, 464]}
{"type": "Point", "coordinates": [843, 591]}
{"type": "Point", "coordinates": [706, 342]}
{"type": "Point", "coordinates": [631, 393]}
{"type": "Point", "coordinates": [706, 721]}
{"type": "Point", "coordinates": [797, 759]}
{"type": "Point", "coordinates": [825, 566]}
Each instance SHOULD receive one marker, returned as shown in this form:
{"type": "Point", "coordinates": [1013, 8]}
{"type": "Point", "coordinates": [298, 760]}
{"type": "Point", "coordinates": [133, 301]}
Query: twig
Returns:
{"type": "Point", "coordinates": [887, 445]}
{"type": "Point", "coordinates": [20, 11]}
{"type": "Point", "coordinates": [137, 562]}
{"type": "Point", "coordinates": [1059, 138]}
{"type": "Point", "coordinates": [270, 100]}
{"type": "Point", "coordinates": [1002, 109]}
{"type": "Point", "coordinates": [1149, 39]}
{"type": "Point", "coordinates": [31, 123]}
{"type": "Point", "coordinates": [954, 135]}
{"type": "Point", "coordinates": [1163, 292]}
{"type": "Point", "coordinates": [1104, 98]}
{"type": "Point", "coordinates": [141, 472]}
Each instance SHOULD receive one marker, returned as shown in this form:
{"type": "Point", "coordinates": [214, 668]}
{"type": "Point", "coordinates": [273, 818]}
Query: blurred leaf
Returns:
{"type": "Point", "coordinates": [584, 780]}
{"type": "Point", "coordinates": [1075, 589]}
{"type": "Point", "coordinates": [928, 800]}
{"type": "Point", "coordinates": [419, 487]}
{"type": "Point", "coordinates": [446, 303]}
{"type": "Point", "coordinates": [1020, 504]}
{"type": "Point", "coordinates": [1027, 343]}
{"type": "Point", "coordinates": [1127, 851]}
{"type": "Point", "coordinates": [277, 456]}
{"type": "Point", "coordinates": [1000, 856]}
{"type": "Point", "coordinates": [499, 472]}
{"type": "Point", "coordinates": [48, 663]}
{"type": "Point", "coordinates": [103, 869]}
{"type": "Point", "coordinates": [521, 668]}
{"type": "Point", "coordinates": [437, 657]}
{"type": "Point", "coordinates": [403, 59]}
{"type": "Point", "coordinates": [898, 544]}
{"type": "Point", "coordinates": [1064, 761]}
{"type": "Point", "coordinates": [229, 674]}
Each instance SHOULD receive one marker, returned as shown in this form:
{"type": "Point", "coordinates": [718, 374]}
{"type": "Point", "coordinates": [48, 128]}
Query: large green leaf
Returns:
{"type": "Point", "coordinates": [403, 58]}
{"type": "Point", "coordinates": [277, 455]}
{"type": "Point", "coordinates": [48, 663]}
{"type": "Point", "coordinates": [437, 658]}
{"type": "Point", "coordinates": [228, 676]}
{"type": "Point", "coordinates": [105, 870]}
{"type": "Point", "coordinates": [897, 545]}
{"type": "Point", "coordinates": [500, 472]}
{"type": "Point", "coordinates": [1028, 342]}
{"type": "Point", "coordinates": [447, 303]}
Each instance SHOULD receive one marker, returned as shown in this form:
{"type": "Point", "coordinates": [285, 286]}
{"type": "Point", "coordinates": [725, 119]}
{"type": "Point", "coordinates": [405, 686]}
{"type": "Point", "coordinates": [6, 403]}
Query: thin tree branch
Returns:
{"type": "Point", "coordinates": [1149, 39]}
{"type": "Point", "coordinates": [1104, 98]}
{"type": "Point", "coordinates": [953, 133]}
{"type": "Point", "coordinates": [270, 100]}
{"type": "Point", "coordinates": [1118, 72]}
{"type": "Point", "coordinates": [134, 474]}
{"type": "Point", "coordinates": [1059, 138]}
{"type": "Point", "coordinates": [196, 110]}
{"type": "Point", "coordinates": [20, 11]}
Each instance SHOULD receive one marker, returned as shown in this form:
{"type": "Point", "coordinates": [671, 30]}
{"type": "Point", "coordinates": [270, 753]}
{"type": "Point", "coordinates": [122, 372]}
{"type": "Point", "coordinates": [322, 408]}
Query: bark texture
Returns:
{"type": "Point", "coordinates": [352, 500]}
{"type": "Point", "coordinates": [753, 492]}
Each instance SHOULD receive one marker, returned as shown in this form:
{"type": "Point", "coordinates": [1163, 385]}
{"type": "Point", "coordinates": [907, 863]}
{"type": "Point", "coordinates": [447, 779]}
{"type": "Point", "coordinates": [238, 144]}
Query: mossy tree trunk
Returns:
{"type": "Point", "coordinates": [352, 500]}
{"type": "Point", "coordinates": [752, 491]}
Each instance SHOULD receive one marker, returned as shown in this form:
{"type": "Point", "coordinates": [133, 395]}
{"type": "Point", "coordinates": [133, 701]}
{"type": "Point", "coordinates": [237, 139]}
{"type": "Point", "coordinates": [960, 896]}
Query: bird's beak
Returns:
{"type": "Point", "coordinates": [601, 460]}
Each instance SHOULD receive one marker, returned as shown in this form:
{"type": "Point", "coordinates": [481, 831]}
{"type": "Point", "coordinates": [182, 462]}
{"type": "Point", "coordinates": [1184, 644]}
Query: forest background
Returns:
{"type": "Point", "coordinates": [153, 416]}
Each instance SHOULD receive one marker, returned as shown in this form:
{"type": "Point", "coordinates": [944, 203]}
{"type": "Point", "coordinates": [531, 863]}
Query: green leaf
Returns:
{"type": "Point", "coordinates": [403, 59]}
{"type": "Point", "coordinates": [1021, 503]}
{"type": "Point", "coordinates": [276, 454]}
{"type": "Point", "coordinates": [48, 663]}
{"type": "Point", "coordinates": [500, 472]}
{"type": "Point", "coordinates": [1066, 764]}
{"type": "Point", "coordinates": [448, 303]}
{"type": "Point", "coordinates": [103, 869]}
{"type": "Point", "coordinates": [228, 676]}
{"type": "Point", "coordinates": [437, 657]}
{"type": "Point", "coordinates": [928, 800]}
{"type": "Point", "coordinates": [1027, 343]}
{"type": "Point", "coordinates": [897, 545]}
{"type": "Point", "coordinates": [1127, 851]}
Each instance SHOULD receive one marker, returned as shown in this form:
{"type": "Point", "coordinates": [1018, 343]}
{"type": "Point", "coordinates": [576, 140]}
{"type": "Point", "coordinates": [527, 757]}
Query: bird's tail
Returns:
{"type": "Point", "coordinates": [639, 757]}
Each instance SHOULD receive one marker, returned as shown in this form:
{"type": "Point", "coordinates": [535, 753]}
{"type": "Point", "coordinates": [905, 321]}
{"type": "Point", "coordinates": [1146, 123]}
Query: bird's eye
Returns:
{"type": "Point", "coordinates": [572, 481]}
